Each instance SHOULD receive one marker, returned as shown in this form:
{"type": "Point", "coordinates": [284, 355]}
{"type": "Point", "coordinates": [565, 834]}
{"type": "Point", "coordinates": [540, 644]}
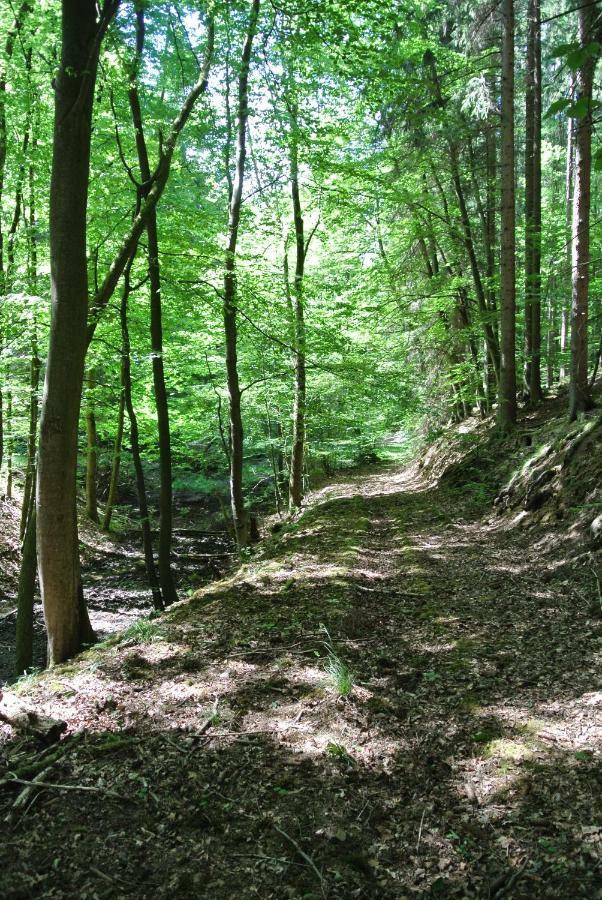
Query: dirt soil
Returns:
{"type": "Point", "coordinates": [396, 697]}
{"type": "Point", "coordinates": [114, 577]}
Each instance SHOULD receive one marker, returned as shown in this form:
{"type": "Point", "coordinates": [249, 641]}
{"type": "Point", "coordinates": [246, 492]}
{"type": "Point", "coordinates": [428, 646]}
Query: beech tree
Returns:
{"type": "Point", "coordinates": [65, 613]}
{"type": "Point", "coordinates": [240, 515]}
{"type": "Point", "coordinates": [226, 367]}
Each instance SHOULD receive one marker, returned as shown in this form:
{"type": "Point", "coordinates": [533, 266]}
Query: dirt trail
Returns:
{"type": "Point", "coordinates": [464, 762]}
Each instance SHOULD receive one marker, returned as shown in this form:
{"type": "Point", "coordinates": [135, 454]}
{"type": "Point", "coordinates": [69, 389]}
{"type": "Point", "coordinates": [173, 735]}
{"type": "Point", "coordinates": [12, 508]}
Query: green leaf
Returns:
{"type": "Point", "coordinates": [579, 109]}
{"type": "Point", "coordinates": [576, 58]}
{"type": "Point", "coordinates": [584, 755]}
{"type": "Point", "coordinates": [563, 50]}
{"type": "Point", "coordinates": [557, 106]}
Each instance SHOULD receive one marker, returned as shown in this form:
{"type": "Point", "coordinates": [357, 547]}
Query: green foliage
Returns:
{"type": "Point", "coordinates": [142, 631]}
{"type": "Point", "coordinates": [339, 674]}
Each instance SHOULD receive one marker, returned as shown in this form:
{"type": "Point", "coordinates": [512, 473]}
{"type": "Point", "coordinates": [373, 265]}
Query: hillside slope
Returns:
{"type": "Point", "coordinates": [399, 695]}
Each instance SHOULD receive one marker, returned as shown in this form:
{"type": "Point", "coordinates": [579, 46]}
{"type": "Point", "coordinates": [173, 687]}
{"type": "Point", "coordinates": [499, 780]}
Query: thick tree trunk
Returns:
{"type": "Point", "coordinates": [299, 403]}
{"type": "Point", "coordinates": [240, 515]}
{"type": "Point", "coordinates": [91, 449]}
{"type": "Point", "coordinates": [168, 588]}
{"type": "Point", "coordinates": [506, 412]}
{"type": "Point", "coordinates": [58, 558]}
{"type": "Point", "coordinates": [532, 369]}
{"type": "Point", "coordinates": [580, 398]}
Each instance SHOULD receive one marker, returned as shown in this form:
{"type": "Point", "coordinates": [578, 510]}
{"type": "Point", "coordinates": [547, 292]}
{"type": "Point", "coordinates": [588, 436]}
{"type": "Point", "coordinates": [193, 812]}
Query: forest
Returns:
{"type": "Point", "coordinates": [300, 448]}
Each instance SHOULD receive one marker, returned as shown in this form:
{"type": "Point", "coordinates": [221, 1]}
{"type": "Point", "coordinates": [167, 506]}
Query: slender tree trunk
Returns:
{"type": "Point", "coordinates": [486, 315]}
{"type": "Point", "coordinates": [34, 385]}
{"type": "Point", "coordinates": [551, 343]}
{"type": "Point", "coordinates": [8, 49]}
{"type": "Point", "coordinates": [25, 595]}
{"type": "Point", "coordinates": [506, 413]}
{"type": "Point", "coordinates": [299, 404]}
{"type": "Point", "coordinates": [91, 450]}
{"type": "Point", "coordinates": [568, 198]}
{"type": "Point", "coordinates": [240, 515]}
{"type": "Point", "coordinates": [10, 443]}
{"type": "Point", "coordinates": [491, 377]}
{"type": "Point", "coordinates": [168, 588]}
{"type": "Point", "coordinates": [533, 206]}
{"type": "Point", "coordinates": [35, 364]}
{"type": "Point", "coordinates": [126, 378]}
{"type": "Point", "coordinates": [116, 464]}
{"type": "Point", "coordinates": [580, 398]}
{"type": "Point", "coordinates": [67, 622]}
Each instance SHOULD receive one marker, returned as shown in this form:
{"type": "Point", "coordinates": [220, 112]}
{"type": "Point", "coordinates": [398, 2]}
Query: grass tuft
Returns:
{"type": "Point", "coordinates": [143, 630]}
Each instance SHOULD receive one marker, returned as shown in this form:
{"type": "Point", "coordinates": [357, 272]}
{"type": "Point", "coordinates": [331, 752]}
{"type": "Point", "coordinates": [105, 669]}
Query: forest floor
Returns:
{"type": "Point", "coordinates": [398, 695]}
{"type": "Point", "coordinates": [116, 587]}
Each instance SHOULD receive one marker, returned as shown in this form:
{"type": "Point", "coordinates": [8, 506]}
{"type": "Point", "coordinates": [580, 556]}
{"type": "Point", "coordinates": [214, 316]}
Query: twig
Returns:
{"type": "Point", "coordinates": [24, 795]}
{"type": "Point", "coordinates": [63, 787]}
{"type": "Point", "coordinates": [420, 828]}
{"type": "Point", "coordinates": [504, 882]}
{"type": "Point", "coordinates": [260, 856]}
{"type": "Point", "coordinates": [304, 856]}
{"type": "Point", "coordinates": [222, 734]}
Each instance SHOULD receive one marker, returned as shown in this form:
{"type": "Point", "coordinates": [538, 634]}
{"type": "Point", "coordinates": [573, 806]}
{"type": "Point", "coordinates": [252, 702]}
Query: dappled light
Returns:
{"type": "Point", "coordinates": [300, 450]}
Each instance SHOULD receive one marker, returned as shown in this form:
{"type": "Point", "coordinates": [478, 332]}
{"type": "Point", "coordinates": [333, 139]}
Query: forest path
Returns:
{"type": "Point", "coordinates": [464, 761]}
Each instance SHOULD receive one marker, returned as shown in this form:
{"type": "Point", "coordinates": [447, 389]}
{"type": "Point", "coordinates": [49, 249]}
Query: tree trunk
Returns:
{"type": "Point", "coordinates": [506, 412]}
{"type": "Point", "coordinates": [580, 398]}
{"type": "Point", "coordinates": [8, 49]}
{"type": "Point", "coordinates": [532, 370]}
{"type": "Point", "coordinates": [126, 379]}
{"type": "Point", "coordinates": [568, 199]}
{"type": "Point", "coordinates": [34, 384]}
{"type": "Point", "coordinates": [91, 449]}
{"type": "Point", "coordinates": [58, 558]}
{"type": "Point", "coordinates": [35, 364]}
{"type": "Point", "coordinates": [168, 588]}
{"type": "Point", "coordinates": [299, 404]}
{"type": "Point", "coordinates": [115, 467]}
{"type": "Point", "coordinates": [240, 515]}
{"type": "Point", "coordinates": [25, 596]}
{"type": "Point", "coordinates": [10, 443]}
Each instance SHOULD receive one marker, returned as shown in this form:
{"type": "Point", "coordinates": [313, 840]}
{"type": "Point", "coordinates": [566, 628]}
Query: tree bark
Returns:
{"type": "Point", "coordinates": [240, 515]}
{"type": "Point", "coordinates": [91, 449]}
{"type": "Point", "coordinates": [532, 369]}
{"type": "Point", "coordinates": [580, 399]}
{"type": "Point", "coordinates": [116, 464]}
{"type": "Point", "coordinates": [126, 379]}
{"type": "Point", "coordinates": [568, 199]}
{"type": "Point", "coordinates": [299, 403]}
{"type": "Point", "coordinates": [25, 596]}
{"type": "Point", "coordinates": [8, 49]}
{"type": "Point", "coordinates": [34, 384]}
{"type": "Point", "coordinates": [67, 622]}
{"type": "Point", "coordinates": [506, 412]}
{"type": "Point", "coordinates": [168, 588]}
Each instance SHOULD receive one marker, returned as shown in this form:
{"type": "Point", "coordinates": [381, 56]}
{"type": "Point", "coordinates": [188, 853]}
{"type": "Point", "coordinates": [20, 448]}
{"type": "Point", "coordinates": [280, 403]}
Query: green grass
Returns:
{"type": "Point", "coordinates": [339, 674]}
{"type": "Point", "coordinates": [143, 630]}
